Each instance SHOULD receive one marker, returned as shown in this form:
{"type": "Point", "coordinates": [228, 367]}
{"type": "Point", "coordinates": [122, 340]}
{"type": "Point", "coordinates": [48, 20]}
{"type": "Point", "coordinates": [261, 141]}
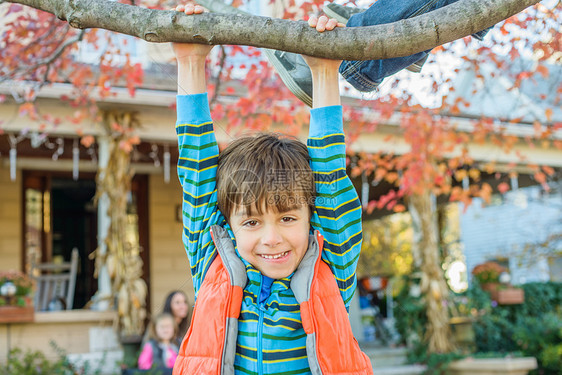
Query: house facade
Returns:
{"type": "Point", "coordinates": [521, 230]}
{"type": "Point", "coordinates": [47, 201]}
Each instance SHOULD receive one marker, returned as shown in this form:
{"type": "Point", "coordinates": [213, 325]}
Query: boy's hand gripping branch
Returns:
{"type": "Point", "coordinates": [191, 59]}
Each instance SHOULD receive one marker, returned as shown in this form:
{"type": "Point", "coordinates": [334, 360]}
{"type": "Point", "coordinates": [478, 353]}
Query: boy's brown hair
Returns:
{"type": "Point", "coordinates": [262, 172]}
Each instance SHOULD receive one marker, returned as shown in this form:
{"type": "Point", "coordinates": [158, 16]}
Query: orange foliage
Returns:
{"type": "Point", "coordinates": [437, 158]}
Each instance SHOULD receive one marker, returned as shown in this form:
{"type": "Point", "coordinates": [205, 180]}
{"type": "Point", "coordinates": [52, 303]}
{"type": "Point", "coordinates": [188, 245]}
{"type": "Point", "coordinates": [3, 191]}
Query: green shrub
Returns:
{"type": "Point", "coordinates": [534, 328]}
{"type": "Point", "coordinates": [541, 338]}
{"type": "Point", "coordinates": [409, 312]}
{"type": "Point", "coordinates": [36, 363]}
{"type": "Point", "coordinates": [551, 359]}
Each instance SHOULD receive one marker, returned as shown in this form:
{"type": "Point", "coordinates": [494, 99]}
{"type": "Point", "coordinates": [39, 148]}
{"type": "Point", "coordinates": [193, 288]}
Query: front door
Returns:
{"type": "Point", "coordinates": [60, 214]}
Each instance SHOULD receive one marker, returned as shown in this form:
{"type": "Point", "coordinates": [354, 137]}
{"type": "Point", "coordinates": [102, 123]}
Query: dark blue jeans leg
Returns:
{"type": "Point", "coordinates": [367, 75]}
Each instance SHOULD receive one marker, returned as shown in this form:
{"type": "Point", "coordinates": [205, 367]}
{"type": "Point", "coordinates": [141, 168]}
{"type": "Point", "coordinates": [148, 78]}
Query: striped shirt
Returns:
{"type": "Point", "coordinates": [271, 339]}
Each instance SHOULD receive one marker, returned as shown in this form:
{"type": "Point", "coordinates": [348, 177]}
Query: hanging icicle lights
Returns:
{"type": "Point", "coordinates": [54, 143]}
{"type": "Point", "coordinates": [159, 154]}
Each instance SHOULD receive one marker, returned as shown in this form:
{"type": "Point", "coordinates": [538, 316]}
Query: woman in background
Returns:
{"type": "Point", "coordinates": [176, 304]}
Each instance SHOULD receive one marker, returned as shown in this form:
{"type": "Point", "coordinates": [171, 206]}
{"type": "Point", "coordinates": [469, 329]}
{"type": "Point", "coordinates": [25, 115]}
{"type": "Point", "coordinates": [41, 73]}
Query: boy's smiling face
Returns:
{"type": "Point", "coordinates": [273, 242]}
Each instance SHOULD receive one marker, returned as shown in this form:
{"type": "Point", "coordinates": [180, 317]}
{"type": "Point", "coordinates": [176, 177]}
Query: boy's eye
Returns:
{"type": "Point", "coordinates": [288, 219]}
{"type": "Point", "coordinates": [250, 223]}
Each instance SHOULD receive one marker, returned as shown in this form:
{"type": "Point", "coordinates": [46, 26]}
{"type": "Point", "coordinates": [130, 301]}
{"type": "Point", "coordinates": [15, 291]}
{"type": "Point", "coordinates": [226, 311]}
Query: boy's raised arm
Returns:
{"type": "Point", "coordinates": [338, 210]}
{"type": "Point", "coordinates": [198, 156]}
{"type": "Point", "coordinates": [191, 60]}
{"type": "Point", "coordinates": [325, 75]}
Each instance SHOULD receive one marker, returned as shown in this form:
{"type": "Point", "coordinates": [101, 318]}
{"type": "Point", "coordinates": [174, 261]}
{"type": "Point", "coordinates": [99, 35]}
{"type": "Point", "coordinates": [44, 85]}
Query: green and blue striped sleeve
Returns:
{"type": "Point", "coordinates": [338, 210]}
{"type": "Point", "coordinates": [197, 168]}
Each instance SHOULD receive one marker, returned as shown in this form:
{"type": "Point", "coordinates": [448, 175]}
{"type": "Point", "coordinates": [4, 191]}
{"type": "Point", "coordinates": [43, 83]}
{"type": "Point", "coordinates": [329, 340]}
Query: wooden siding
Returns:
{"type": "Point", "coordinates": [501, 230]}
{"type": "Point", "coordinates": [10, 219]}
{"type": "Point", "coordinates": [169, 267]}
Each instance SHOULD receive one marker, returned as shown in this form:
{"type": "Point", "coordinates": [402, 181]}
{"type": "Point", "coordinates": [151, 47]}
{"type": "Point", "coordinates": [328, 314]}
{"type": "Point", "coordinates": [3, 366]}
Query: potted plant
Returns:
{"type": "Point", "coordinates": [488, 275]}
{"type": "Point", "coordinates": [16, 304]}
{"type": "Point", "coordinates": [508, 294]}
{"type": "Point", "coordinates": [494, 279]}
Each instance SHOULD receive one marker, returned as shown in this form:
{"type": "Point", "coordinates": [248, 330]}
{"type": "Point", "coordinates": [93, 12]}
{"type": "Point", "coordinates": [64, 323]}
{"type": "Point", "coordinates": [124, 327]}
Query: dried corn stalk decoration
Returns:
{"type": "Point", "coordinates": [122, 257]}
{"type": "Point", "coordinates": [433, 284]}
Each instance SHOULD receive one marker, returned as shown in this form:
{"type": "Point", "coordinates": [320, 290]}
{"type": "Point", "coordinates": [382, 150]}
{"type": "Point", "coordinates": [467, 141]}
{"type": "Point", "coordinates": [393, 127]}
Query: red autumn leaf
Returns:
{"type": "Point", "coordinates": [27, 109]}
{"type": "Point", "coordinates": [385, 199]}
{"type": "Point", "coordinates": [371, 206]}
{"type": "Point", "coordinates": [391, 177]}
{"type": "Point", "coordinates": [548, 170]}
{"type": "Point", "coordinates": [125, 146]}
{"type": "Point", "coordinates": [485, 192]}
{"type": "Point", "coordinates": [543, 70]}
{"type": "Point", "coordinates": [87, 141]}
{"type": "Point", "coordinates": [513, 53]}
{"type": "Point", "coordinates": [548, 114]}
{"type": "Point", "coordinates": [399, 208]}
{"type": "Point", "coordinates": [540, 177]}
{"type": "Point", "coordinates": [503, 187]}
{"type": "Point", "coordinates": [134, 140]}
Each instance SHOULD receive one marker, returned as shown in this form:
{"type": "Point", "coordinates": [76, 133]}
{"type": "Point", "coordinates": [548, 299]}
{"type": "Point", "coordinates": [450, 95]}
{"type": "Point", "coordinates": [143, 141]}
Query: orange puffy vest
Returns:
{"type": "Point", "coordinates": [209, 347]}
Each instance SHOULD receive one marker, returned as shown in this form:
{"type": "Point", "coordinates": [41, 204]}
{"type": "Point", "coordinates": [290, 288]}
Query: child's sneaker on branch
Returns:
{"type": "Point", "coordinates": [341, 13]}
{"type": "Point", "coordinates": [294, 73]}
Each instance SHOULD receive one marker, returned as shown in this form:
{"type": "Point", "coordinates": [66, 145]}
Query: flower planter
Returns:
{"type": "Point", "coordinates": [493, 366]}
{"type": "Point", "coordinates": [463, 332]}
{"type": "Point", "coordinates": [509, 296]}
{"type": "Point", "coordinates": [16, 314]}
{"type": "Point", "coordinates": [490, 287]}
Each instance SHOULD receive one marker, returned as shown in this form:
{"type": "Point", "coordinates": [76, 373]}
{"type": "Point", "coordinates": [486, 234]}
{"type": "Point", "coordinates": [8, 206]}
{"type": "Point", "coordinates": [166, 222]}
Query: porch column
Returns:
{"type": "Point", "coordinates": [102, 299]}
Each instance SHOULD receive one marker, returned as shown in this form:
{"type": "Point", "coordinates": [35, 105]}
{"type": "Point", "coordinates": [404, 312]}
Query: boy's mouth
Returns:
{"type": "Point", "coordinates": [275, 256]}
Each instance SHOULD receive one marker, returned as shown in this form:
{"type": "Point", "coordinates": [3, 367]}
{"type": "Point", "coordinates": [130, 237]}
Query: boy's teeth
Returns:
{"type": "Point", "coordinates": [275, 256]}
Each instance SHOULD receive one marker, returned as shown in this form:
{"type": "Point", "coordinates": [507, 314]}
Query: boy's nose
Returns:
{"type": "Point", "coordinates": [271, 236]}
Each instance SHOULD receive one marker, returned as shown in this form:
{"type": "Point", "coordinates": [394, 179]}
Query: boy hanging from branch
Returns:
{"type": "Point", "coordinates": [272, 229]}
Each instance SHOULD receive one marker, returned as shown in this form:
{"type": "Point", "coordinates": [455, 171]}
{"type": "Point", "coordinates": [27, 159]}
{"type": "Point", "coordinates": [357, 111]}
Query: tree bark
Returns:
{"type": "Point", "coordinates": [395, 39]}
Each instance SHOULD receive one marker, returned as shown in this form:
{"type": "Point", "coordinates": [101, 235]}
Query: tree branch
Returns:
{"type": "Point", "coordinates": [400, 38]}
{"type": "Point", "coordinates": [56, 54]}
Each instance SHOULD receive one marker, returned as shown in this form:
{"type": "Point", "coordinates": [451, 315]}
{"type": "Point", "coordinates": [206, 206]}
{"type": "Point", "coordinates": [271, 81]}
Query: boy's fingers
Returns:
{"type": "Point", "coordinates": [324, 23]}
{"type": "Point", "coordinates": [331, 24]}
{"type": "Point", "coordinates": [189, 9]}
{"type": "Point", "coordinates": [321, 25]}
{"type": "Point", "coordinates": [312, 21]}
